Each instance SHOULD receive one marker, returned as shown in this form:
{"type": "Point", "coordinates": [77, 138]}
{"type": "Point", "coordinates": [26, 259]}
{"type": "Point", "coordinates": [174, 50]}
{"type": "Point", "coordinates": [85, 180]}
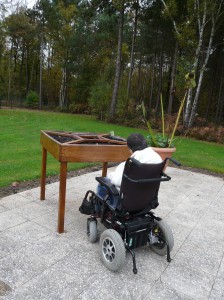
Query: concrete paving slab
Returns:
{"type": "Point", "coordinates": [26, 233]}
{"type": "Point", "coordinates": [32, 210]}
{"type": "Point", "coordinates": [38, 264]}
{"type": "Point", "coordinates": [2, 209]}
{"type": "Point", "coordinates": [205, 240]}
{"type": "Point", "coordinates": [217, 292]}
{"type": "Point", "coordinates": [15, 200]}
{"type": "Point", "coordinates": [200, 257]}
{"type": "Point", "coordinates": [189, 281]}
{"type": "Point", "coordinates": [162, 291]}
{"type": "Point", "coordinates": [221, 269]}
{"type": "Point", "coordinates": [218, 203]}
{"type": "Point", "coordinates": [8, 219]}
{"type": "Point", "coordinates": [33, 194]}
{"type": "Point", "coordinates": [26, 263]}
{"type": "Point", "coordinates": [49, 220]}
{"type": "Point", "coordinates": [7, 245]}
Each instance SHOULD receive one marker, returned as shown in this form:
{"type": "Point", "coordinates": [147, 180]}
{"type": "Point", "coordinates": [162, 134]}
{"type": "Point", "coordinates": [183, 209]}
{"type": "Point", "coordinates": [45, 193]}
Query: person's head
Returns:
{"type": "Point", "coordinates": [136, 141]}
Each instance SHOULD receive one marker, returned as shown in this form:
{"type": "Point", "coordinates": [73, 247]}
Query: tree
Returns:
{"type": "Point", "coordinates": [210, 17]}
{"type": "Point", "coordinates": [118, 59]}
{"type": "Point", "coordinates": [136, 8]}
{"type": "Point", "coordinates": [21, 37]}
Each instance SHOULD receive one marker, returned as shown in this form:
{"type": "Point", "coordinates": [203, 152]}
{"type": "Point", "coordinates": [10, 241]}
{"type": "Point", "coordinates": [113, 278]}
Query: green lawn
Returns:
{"type": "Point", "coordinates": [20, 149]}
{"type": "Point", "coordinates": [200, 154]}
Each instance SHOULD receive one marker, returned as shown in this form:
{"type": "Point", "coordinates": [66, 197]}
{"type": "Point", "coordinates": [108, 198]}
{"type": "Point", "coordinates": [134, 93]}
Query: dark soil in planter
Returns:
{"type": "Point", "coordinates": [66, 139]}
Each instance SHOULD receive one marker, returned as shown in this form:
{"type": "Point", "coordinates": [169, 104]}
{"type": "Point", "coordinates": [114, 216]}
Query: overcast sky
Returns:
{"type": "Point", "coordinates": [11, 6]}
{"type": "Point", "coordinates": [29, 3]}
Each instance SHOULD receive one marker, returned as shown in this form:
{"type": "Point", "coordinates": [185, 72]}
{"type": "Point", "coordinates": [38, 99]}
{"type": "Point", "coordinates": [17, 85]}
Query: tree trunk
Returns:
{"type": "Point", "coordinates": [221, 111]}
{"type": "Point", "coordinates": [220, 98]}
{"type": "Point", "coordinates": [132, 51]}
{"type": "Point", "coordinates": [211, 93]}
{"type": "Point", "coordinates": [153, 71]}
{"type": "Point", "coordinates": [201, 75]}
{"type": "Point", "coordinates": [188, 107]}
{"type": "Point", "coordinates": [152, 81]}
{"type": "Point", "coordinates": [172, 82]}
{"type": "Point", "coordinates": [160, 75]}
{"type": "Point", "coordinates": [145, 82]}
{"type": "Point", "coordinates": [62, 97]}
{"type": "Point", "coordinates": [20, 77]}
{"type": "Point", "coordinates": [27, 73]}
{"type": "Point", "coordinates": [118, 63]}
{"type": "Point", "coordinates": [201, 26]}
{"type": "Point", "coordinates": [10, 78]}
{"type": "Point", "coordinates": [139, 86]}
{"type": "Point", "coordinates": [41, 71]}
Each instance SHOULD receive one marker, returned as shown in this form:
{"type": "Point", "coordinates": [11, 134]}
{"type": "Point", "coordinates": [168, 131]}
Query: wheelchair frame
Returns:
{"type": "Point", "coordinates": [133, 230]}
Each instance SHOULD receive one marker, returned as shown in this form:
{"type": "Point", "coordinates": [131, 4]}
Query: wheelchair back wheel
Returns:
{"type": "Point", "coordinates": [113, 252]}
{"type": "Point", "coordinates": [162, 229]}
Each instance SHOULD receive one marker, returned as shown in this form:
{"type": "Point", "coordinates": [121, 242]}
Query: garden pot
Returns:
{"type": "Point", "coordinates": [164, 153]}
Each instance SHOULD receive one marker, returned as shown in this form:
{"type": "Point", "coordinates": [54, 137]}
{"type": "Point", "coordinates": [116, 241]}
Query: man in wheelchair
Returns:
{"type": "Point", "coordinates": [139, 150]}
{"type": "Point", "coordinates": [126, 212]}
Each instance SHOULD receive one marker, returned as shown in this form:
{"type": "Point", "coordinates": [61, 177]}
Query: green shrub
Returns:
{"type": "Point", "coordinates": [78, 108]}
{"type": "Point", "coordinates": [100, 98]}
{"type": "Point", "coordinates": [61, 109]}
{"type": "Point", "coordinates": [32, 99]}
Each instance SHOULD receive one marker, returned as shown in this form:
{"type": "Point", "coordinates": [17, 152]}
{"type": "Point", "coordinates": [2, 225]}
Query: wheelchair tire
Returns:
{"type": "Point", "coordinates": [92, 231]}
{"type": "Point", "coordinates": [166, 232]}
{"type": "Point", "coordinates": [113, 252]}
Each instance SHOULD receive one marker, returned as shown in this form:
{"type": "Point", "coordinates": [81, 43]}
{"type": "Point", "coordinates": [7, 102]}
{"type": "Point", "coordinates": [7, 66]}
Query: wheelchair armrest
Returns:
{"type": "Point", "coordinates": [163, 178]}
{"type": "Point", "coordinates": [111, 187]}
{"type": "Point", "coordinates": [174, 161]}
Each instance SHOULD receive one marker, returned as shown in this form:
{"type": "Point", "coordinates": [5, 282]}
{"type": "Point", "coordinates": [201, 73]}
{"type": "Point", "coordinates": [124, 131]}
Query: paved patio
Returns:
{"type": "Point", "coordinates": [38, 263]}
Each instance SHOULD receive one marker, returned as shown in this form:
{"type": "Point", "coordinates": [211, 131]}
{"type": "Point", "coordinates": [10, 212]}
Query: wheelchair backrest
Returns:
{"type": "Point", "coordinates": [140, 185]}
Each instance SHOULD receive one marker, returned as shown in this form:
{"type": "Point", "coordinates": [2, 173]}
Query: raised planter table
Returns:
{"type": "Point", "coordinates": [78, 147]}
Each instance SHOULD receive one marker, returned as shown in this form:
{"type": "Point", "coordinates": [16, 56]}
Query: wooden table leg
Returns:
{"type": "Point", "coordinates": [104, 170]}
{"type": "Point", "coordinates": [43, 174]}
{"type": "Point", "coordinates": [62, 194]}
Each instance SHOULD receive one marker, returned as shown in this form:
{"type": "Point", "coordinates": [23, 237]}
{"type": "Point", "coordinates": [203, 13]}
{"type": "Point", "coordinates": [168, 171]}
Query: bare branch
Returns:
{"type": "Point", "coordinates": [198, 9]}
{"type": "Point", "coordinates": [174, 23]}
{"type": "Point", "coordinates": [218, 11]}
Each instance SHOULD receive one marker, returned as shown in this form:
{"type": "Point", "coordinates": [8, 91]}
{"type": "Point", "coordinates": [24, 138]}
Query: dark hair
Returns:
{"type": "Point", "coordinates": [136, 141]}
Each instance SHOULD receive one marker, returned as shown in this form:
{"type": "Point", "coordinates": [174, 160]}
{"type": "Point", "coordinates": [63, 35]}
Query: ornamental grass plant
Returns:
{"type": "Point", "coordinates": [166, 140]}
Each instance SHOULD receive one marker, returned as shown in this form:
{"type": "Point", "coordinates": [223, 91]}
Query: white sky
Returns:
{"type": "Point", "coordinates": [12, 5]}
{"type": "Point", "coordinates": [29, 3]}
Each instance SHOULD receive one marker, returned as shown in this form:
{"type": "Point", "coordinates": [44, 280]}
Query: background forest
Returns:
{"type": "Point", "coordinates": [106, 57]}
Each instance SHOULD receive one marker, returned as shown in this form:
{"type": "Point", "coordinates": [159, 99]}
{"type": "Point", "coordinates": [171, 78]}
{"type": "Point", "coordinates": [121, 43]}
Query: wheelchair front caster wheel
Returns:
{"type": "Point", "coordinates": [113, 252]}
{"type": "Point", "coordinates": [92, 230]}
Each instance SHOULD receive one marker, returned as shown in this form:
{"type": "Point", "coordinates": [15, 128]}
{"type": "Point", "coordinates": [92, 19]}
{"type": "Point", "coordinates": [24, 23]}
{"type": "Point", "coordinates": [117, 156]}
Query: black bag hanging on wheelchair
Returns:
{"type": "Point", "coordinates": [87, 206]}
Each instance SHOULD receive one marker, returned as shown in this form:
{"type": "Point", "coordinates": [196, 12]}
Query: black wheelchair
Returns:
{"type": "Point", "coordinates": [131, 223]}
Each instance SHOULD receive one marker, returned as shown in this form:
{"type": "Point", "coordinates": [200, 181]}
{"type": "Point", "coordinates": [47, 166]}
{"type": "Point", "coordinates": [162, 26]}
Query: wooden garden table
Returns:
{"type": "Point", "coordinates": [78, 147]}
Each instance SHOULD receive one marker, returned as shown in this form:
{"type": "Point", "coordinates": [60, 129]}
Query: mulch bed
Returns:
{"type": "Point", "coordinates": [27, 185]}
{"type": "Point", "coordinates": [30, 184]}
